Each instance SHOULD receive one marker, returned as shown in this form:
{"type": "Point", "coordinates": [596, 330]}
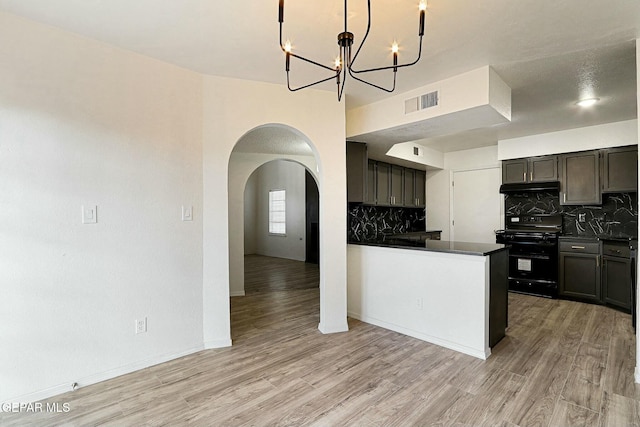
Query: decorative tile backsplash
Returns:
{"type": "Point", "coordinates": [618, 215]}
{"type": "Point", "coordinates": [371, 222]}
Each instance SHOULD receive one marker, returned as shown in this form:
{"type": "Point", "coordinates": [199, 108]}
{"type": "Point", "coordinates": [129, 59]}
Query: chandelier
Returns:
{"type": "Point", "coordinates": [344, 62]}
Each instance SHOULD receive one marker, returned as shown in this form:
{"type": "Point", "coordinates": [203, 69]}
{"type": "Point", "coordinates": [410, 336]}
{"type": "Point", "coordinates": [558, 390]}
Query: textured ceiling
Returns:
{"type": "Point", "coordinates": [548, 52]}
{"type": "Point", "coordinates": [273, 140]}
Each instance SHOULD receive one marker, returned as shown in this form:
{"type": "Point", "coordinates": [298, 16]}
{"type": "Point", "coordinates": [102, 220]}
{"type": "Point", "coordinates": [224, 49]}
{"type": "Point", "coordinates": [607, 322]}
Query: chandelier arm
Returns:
{"type": "Point", "coordinates": [307, 85]}
{"type": "Point", "coordinates": [390, 67]}
{"type": "Point", "coordinates": [366, 34]}
{"type": "Point", "coordinates": [375, 85]}
{"type": "Point", "coordinates": [302, 57]}
{"type": "Point", "coordinates": [313, 62]}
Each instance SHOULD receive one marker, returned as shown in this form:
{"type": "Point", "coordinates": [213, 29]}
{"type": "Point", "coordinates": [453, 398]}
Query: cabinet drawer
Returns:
{"type": "Point", "coordinates": [618, 249]}
{"type": "Point", "coordinates": [580, 247]}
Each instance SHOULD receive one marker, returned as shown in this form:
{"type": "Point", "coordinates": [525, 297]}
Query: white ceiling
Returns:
{"type": "Point", "coordinates": [549, 53]}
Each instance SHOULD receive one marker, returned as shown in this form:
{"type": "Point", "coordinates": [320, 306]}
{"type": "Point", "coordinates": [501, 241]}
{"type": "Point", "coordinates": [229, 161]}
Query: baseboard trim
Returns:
{"type": "Point", "coordinates": [424, 337]}
{"type": "Point", "coordinates": [102, 376]}
{"type": "Point", "coordinates": [237, 294]}
{"type": "Point", "coordinates": [333, 329]}
{"type": "Point", "coordinates": [209, 345]}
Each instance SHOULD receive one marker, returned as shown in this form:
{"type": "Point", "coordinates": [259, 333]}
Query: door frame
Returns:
{"type": "Point", "coordinates": [451, 190]}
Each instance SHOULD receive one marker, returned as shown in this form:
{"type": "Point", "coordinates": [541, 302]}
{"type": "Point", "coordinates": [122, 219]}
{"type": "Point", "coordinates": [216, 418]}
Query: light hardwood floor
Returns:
{"type": "Point", "coordinates": [562, 364]}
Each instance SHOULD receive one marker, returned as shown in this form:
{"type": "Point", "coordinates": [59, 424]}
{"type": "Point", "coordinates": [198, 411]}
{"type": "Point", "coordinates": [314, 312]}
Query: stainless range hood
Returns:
{"type": "Point", "coordinates": [528, 187]}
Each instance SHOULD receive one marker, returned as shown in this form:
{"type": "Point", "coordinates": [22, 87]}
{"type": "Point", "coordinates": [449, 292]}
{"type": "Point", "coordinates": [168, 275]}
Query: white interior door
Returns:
{"type": "Point", "coordinates": [477, 205]}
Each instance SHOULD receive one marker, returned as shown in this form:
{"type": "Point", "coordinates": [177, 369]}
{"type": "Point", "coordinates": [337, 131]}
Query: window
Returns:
{"type": "Point", "coordinates": [277, 212]}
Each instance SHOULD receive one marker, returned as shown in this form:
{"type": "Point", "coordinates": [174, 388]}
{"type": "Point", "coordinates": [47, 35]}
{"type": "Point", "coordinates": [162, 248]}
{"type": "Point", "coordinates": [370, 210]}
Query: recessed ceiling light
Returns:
{"type": "Point", "coordinates": [587, 102]}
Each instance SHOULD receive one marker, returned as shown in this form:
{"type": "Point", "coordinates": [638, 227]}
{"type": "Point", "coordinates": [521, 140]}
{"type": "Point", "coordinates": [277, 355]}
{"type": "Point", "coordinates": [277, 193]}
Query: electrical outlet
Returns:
{"type": "Point", "coordinates": [582, 217]}
{"type": "Point", "coordinates": [141, 325]}
{"type": "Point", "coordinates": [419, 303]}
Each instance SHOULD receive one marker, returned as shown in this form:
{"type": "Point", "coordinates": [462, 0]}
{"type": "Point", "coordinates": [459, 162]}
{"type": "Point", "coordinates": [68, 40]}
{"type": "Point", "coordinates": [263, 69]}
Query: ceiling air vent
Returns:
{"type": "Point", "coordinates": [421, 102]}
{"type": "Point", "coordinates": [429, 100]}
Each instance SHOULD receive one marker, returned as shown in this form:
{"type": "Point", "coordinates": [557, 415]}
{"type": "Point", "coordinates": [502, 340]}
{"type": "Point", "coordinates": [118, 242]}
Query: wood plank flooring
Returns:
{"type": "Point", "coordinates": [562, 363]}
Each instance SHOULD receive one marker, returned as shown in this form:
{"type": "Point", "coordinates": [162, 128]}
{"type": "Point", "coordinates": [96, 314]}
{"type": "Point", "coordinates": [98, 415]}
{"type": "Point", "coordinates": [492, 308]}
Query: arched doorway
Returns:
{"type": "Point", "coordinates": [264, 145]}
{"type": "Point", "coordinates": [297, 236]}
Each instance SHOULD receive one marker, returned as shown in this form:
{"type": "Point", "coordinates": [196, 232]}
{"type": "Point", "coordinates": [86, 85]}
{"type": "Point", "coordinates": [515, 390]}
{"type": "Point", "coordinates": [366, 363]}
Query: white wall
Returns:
{"type": "Point", "coordinates": [615, 134]}
{"type": "Point", "coordinates": [83, 123]}
{"type": "Point", "coordinates": [288, 176]}
{"type": "Point", "coordinates": [250, 214]}
{"type": "Point", "coordinates": [228, 115]}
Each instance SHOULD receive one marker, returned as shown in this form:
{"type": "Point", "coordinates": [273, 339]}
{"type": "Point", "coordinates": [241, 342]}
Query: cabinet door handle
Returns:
{"type": "Point", "coordinates": [524, 176]}
{"type": "Point", "coordinates": [597, 261]}
{"type": "Point", "coordinates": [577, 247]}
{"type": "Point", "coordinates": [531, 176]}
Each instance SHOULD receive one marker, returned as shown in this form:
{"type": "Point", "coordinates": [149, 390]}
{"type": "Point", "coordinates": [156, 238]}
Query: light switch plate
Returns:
{"type": "Point", "coordinates": [187, 213]}
{"type": "Point", "coordinates": [90, 214]}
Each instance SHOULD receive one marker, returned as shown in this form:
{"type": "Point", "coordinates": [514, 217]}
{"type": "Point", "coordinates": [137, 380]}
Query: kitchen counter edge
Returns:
{"type": "Point", "coordinates": [445, 246]}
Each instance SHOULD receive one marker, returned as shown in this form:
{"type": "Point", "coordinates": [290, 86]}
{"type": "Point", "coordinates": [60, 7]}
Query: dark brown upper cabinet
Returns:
{"type": "Point", "coordinates": [419, 192]}
{"type": "Point", "coordinates": [514, 171]}
{"type": "Point", "coordinates": [378, 183]}
{"type": "Point", "coordinates": [409, 187]}
{"type": "Point", "coordinates": [580, 178]}
{"type": "Point", "coordinates": [543, 168]}
{"type": "Point", "coordinates": [396, 184]}
{"type": "Point", "coordinates": [372, 188]}
{"type": "Point", "coordinates": [414, 188]}
{"type": "Point", "coordinates": [620, 169]}
{"type": "Point", "coordinates": [532, 169]}
{"type": "Point", "coordinates": [383, 181]}
{"type": "Point", "coordinates": [356, 172]}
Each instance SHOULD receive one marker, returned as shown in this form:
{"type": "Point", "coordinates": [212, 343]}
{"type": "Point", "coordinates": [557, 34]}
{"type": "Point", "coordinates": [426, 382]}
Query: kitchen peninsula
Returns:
{"type": "Point", "coordinates": [453, 294]}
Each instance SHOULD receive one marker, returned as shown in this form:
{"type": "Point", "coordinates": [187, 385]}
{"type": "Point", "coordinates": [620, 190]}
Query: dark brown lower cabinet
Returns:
{"type": "Point", "coordinates": [580, 276]}
{"type": "Point", "coordinates": [596, 273]}
{"type": "Point", "coordinates": [580, 270]}
{"type": "Point", "coordinates": [616, 276]}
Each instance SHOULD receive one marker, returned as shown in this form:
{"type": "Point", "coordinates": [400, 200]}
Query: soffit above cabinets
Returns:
{"type": "Point", "coordinates": [473, 100]}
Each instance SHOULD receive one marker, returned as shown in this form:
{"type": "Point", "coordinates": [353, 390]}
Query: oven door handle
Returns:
{"type": "Point", "coordinates": [530, 243]}
{"type": "Point", "coordinates": [529, 256]}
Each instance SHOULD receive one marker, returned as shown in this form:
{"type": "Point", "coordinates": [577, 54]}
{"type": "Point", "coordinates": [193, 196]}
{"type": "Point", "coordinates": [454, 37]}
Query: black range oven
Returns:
{"type": "Point", "coordinates": [533, 252]}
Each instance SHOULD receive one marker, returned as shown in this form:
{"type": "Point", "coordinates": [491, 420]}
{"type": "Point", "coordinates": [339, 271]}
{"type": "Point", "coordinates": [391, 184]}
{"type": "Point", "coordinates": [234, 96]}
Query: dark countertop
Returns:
{"type": "Point", "coordinates": [608, 237]}
{"type": "Point", "coordinates": [412, 233]}
{"type": "Point", "coordinates": [579, 238]}
{"type": "Point", "coordinates": [616, 238]}
{"type": "Point", "coordinates": [462, 248]}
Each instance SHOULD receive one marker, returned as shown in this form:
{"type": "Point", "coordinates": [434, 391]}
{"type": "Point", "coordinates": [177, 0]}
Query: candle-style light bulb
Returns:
{"type": "Point", "coordinates": [281, 11]}
{"type": "Point", "coordinates": [394, 49]}
{"type": "Point", "coordinates": [422, 7]}
{"type": "Point", "coordinates": [337, 63]}
{"type": "Point", "coordinates": [287, 51]}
